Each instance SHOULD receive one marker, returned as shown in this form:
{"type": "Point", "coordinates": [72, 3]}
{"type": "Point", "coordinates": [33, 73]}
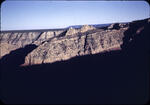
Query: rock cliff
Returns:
{"type": "Point", "coordinates": [64, 44]}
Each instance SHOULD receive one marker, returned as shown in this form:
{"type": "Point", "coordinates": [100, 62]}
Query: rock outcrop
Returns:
{"type": "Point", "coordinates": [52, 46]}
{"type": "Point", "coordinates": [117, 26]}
{"type": "Point", "coordinates": [68, 47]}
{"type": "Point", "coordinates": [13, 40]}
{"type": "Point", "coordinates": [85, 28]}
{"type": "Point", "coordinates": [114, 26]}
{"type": "Point", "coordinates": [71, 31]}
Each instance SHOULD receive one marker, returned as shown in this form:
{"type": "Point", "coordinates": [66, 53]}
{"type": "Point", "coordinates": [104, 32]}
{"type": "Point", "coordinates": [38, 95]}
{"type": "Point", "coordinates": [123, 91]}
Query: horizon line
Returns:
{"type": "Point", "coordinates": [52, 29]}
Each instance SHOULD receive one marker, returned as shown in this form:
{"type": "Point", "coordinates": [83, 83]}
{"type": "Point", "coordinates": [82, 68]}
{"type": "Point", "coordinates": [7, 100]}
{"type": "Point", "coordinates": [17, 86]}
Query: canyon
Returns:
{"type": "Point", "coordinates": [63, 44]}
{"type": "Point", "coordinates": [88, 65]}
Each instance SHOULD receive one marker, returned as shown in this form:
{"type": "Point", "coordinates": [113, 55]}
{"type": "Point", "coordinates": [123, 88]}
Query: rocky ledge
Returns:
{"type": "Point", "coordinates": [64, 44]}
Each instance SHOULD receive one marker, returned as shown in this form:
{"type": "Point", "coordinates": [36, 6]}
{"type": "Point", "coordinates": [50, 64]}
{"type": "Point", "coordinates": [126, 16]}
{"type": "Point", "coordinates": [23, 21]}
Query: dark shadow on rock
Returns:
{"type": "Point", "coordinates": [62, 34]}
{"type": "Point", "coordinates": [116, 26]}
{"type": "Point", "coordinates": [137, 37]}
{"type": "Point", "coordinates": [116, 77]}
{"type": "Point", "coordinates": [136, 51]}
{"type": "Point", "coordinates": [113, 26]}
{"type": "Point", "coordinates": [16, 58]}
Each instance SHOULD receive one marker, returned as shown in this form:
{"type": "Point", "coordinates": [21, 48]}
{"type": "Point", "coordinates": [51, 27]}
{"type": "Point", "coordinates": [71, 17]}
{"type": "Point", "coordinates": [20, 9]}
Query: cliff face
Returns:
{"type": "Point", "coordinates": [14, 40]}
{"type": "Point", "coordinates": [63, 48]}
{"type": "Point", "coordinates": [60, 45]}
{"type": "Point", "coordinates": [115, 77]}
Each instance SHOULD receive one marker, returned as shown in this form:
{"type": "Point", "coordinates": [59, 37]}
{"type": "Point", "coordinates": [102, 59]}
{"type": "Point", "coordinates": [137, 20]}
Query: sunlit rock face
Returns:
{"type": "Point", "coordinates": [71, 31]}
{"type": "Point", "coordinates": [63, 48]}
{"type": "Point", "coordinates": [59, 45]}
{"type": "Point", "coordinates": [13, 40]}
{"type": "Point", "coordinates": [85, 28]}
{"type": "Point", "coordinates": [53, 46]}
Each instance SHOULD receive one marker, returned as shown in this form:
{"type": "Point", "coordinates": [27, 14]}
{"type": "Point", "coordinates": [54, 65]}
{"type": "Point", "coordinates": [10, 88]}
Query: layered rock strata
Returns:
{"type": "Point", "coordinates": [63, 44]}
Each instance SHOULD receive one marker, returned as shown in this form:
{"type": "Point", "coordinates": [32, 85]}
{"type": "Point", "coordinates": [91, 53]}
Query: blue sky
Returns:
{"type": "Point", "coordinates": [23, 15]}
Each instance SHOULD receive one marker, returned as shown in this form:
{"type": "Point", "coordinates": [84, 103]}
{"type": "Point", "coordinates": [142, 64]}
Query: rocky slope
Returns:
{"type": "Point", "coordinates": [63, 44]}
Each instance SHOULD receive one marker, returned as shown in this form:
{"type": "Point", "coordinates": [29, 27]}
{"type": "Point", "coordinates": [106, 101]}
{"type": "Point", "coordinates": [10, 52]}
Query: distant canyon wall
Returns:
{"type": "Point", "coordinates": [63, 44]}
